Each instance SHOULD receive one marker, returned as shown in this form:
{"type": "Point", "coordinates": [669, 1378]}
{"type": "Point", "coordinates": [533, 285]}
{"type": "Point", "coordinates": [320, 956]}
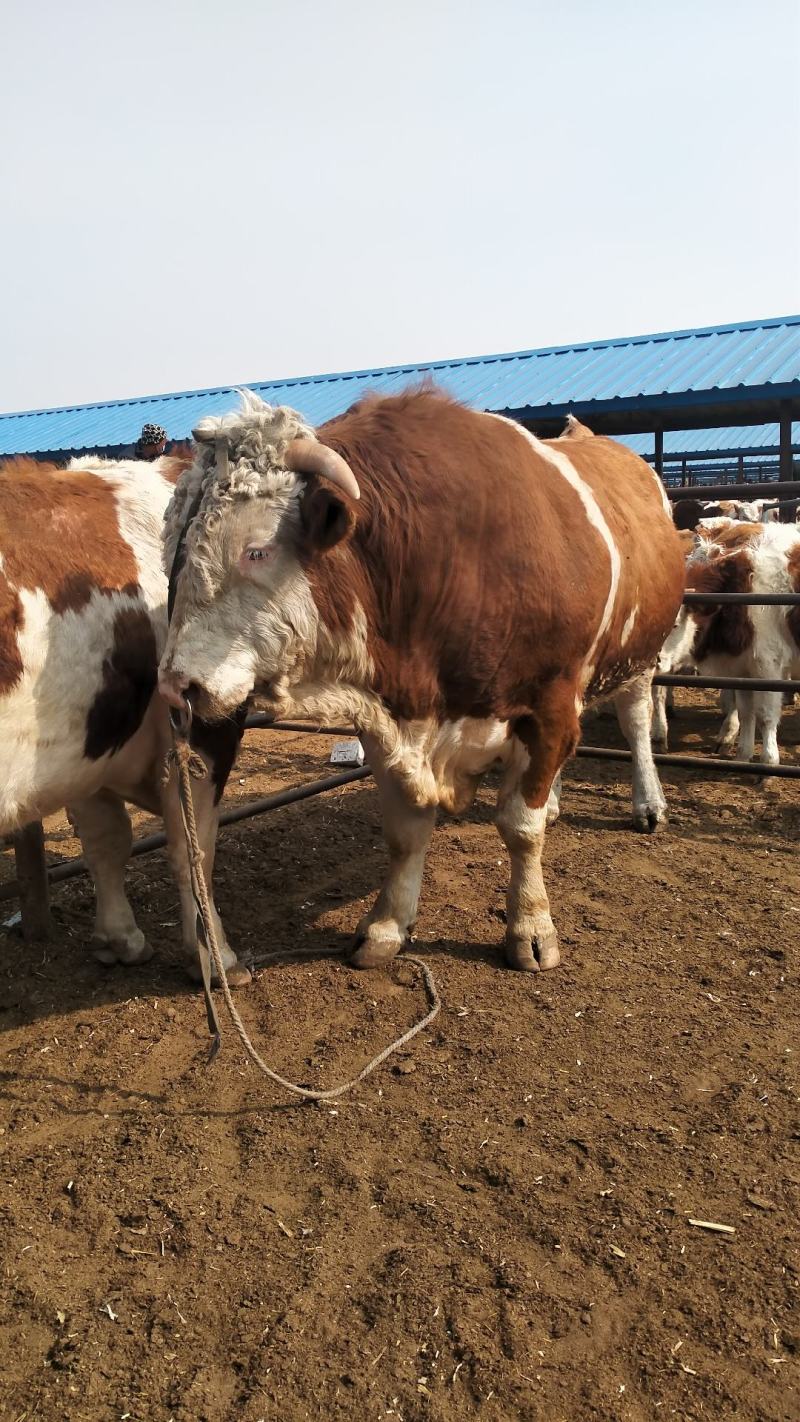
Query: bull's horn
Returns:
{"type": "Point", "coordinates": [203, 434]}
{"type": "Point", "coordinates": [308, 456]}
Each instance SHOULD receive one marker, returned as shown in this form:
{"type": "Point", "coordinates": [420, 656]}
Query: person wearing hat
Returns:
{"type": "Point", "coordinates": [151, 442]}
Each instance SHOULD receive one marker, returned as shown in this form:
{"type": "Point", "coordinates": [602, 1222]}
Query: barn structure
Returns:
{"type": "Point", "coordinates": [716, 404]}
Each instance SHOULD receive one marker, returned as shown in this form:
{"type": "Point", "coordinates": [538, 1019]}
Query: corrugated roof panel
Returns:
{"type": "Point", "coordinates": [731, 437]}
{"type": "Point", "coordinates": [754, 355]}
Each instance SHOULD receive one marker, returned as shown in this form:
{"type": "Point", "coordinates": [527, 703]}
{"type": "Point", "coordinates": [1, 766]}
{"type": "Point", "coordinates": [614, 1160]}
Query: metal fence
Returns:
{"type": "Point", "coordinates": [721, 683]}
{"type": "Point", "coordinates": [757, 473]}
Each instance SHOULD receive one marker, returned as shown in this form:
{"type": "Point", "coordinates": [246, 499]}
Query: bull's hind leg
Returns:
{"type": "Point", "coordinates": [633, 707]}
{"type": "Point", "coordinates": [554, 800]}
{"type": "Point", "coordinates": [407, 829]}
{"type": "Point", "coordinates": [541, 744]}
{"type": "Point", "coordinates": [104, 828]}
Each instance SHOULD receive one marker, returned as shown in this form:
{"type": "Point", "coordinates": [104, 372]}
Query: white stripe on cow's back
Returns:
{"type": "Point", "coordinates": [596, 518]}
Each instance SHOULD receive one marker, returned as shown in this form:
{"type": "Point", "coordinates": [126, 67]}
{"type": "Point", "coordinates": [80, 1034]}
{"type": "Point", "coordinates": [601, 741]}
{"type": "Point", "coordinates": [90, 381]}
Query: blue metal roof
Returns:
{"type": "Point", "coordinates": [754, 359]}
{"type": "Point", "coordinates": [758, 439]}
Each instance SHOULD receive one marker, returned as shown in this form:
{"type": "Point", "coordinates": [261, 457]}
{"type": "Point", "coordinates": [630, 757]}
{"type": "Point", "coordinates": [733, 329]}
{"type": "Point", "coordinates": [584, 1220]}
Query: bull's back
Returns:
{"type": "Point", "coordinates": [651, 566]}
{"type": "Point", "coordinates": [81, 623]}
{"type": "Point", "coordinates": [500, 546]}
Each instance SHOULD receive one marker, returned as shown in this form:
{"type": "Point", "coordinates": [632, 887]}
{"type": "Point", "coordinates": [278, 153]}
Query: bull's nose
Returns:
{"type": "Point", "coordinates": [172, 686]}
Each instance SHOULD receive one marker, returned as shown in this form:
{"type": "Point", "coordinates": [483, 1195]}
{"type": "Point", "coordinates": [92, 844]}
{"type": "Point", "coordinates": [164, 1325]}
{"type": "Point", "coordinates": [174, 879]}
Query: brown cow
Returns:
{"type": "Point", "coordinates": [457, 587]}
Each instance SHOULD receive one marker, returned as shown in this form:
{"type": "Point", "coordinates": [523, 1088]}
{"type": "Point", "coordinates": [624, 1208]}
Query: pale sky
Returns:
{"type": "Point", "coordinates": [199, 194]}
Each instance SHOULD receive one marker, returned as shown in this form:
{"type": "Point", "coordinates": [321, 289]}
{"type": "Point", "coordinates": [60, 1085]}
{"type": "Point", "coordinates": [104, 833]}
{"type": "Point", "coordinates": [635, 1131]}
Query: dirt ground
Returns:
{"type": "Point", "coordinates": [497, 1222]}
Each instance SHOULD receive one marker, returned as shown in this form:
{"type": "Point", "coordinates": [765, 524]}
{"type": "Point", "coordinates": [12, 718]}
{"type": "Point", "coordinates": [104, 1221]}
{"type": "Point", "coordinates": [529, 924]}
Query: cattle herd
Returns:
{"type": "Point", "coordinates": [456, 588]}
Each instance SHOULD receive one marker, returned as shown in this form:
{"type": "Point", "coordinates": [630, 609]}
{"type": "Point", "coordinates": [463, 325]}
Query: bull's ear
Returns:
{"type": "Point", "coordinates": [327, 515]}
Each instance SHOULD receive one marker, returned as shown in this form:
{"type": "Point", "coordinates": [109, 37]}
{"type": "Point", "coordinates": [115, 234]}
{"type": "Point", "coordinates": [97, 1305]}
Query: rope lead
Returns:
{"type": "Point", "coordinates": [186, 762]}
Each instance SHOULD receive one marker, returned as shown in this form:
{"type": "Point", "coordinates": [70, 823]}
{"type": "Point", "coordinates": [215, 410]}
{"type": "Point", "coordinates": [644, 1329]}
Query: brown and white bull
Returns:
{"type": "Point", "coordinates": [82, 625]}
{"type": "Point", "coordinates": [456, 587]}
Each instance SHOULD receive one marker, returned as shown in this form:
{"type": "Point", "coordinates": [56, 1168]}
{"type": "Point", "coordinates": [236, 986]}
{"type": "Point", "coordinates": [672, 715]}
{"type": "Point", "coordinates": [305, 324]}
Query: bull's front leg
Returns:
{"type": "Point", "coordinates": [407, 830]}
{"type": "Point", "coordinates": [104, 827]}
{"type": "Point", "coordinates": [633, 706]}
{"type": "Point", "coordinates": [207, 818]}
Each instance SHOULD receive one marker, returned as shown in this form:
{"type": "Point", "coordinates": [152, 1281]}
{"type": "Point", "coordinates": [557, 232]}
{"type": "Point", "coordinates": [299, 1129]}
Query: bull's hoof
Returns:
{"type": "Point", "coordinates": [369, 951]}
{"type": "Point", "coordinates": [647, 818]}
{"type": "Point", "coordinates": [533, 955]}
{"type": "Point", "coordinates": [375, 943]}
{"type": "Point", "coordinates": [237, 974]}
{"type": "Point", "coordinates": [130, 951]}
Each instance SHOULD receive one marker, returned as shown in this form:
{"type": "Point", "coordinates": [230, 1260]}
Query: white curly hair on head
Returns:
{"type": "Point", "coordinates": [256, 437]}
{"type": "Point", "coordinates": [257, 434]}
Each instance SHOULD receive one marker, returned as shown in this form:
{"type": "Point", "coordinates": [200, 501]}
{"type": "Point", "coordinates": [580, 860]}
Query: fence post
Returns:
{"type": "Point", "coordinates": [34, 893]}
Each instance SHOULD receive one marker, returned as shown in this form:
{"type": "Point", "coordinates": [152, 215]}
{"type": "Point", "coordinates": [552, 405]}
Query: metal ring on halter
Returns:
{"type": "Point", "coordinates": [181, 719]}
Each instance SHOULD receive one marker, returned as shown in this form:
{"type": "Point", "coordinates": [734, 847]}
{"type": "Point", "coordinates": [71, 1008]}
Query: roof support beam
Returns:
{"type": "Point", "coordinates": [659, 452]}
{"type": "Point", "coordinates": [785, 467]}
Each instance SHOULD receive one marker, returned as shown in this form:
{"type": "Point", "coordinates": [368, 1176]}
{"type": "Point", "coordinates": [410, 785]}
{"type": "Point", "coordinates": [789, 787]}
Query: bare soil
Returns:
{"type": "Point", "coordinates": [496, 1223]}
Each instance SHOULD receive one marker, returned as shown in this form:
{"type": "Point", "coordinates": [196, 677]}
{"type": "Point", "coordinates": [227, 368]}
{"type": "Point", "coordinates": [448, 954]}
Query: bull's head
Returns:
{"type": "Point", "coordinates": [263, 499]}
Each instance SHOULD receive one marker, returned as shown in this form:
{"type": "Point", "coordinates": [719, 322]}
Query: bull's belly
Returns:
{"type": "Point", "coordinates": [442, 762]}
{"type": "Point", "coordinates": [614, 676]}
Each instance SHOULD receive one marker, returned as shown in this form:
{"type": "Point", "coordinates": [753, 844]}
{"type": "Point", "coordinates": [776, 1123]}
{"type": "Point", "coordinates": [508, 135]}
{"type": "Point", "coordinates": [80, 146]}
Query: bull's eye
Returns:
{"type": "Point", "coordinates": [255, 553]}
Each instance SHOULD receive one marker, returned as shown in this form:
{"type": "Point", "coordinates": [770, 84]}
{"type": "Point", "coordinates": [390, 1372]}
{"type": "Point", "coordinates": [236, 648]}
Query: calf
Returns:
{"type": "Point", "coordinates": [737, 640]}
{"type": "Point", "coordinates": [458, 588]}
{"type": "Point", "coordinates": [82, 626]}
{"type": "Point", "coordinates": [664, 696]}
{"type": "Point", "coordinates": [691, 513]}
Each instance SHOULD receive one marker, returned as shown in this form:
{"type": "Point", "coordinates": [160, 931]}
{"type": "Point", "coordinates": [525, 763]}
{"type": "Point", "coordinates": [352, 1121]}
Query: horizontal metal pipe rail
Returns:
{"type": "Point", "coordinates": [726, 683]}
{"type": "Point", "coordinates": [697, 599]}
{"type": "Point", "coordinates": [70, 868]}
{"type": "Point", "coordinates": [261, 720]}
{"type": "Point", "coordinates": [790, 487]}
{"type": "Point", "coordinates": [695, 762]}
